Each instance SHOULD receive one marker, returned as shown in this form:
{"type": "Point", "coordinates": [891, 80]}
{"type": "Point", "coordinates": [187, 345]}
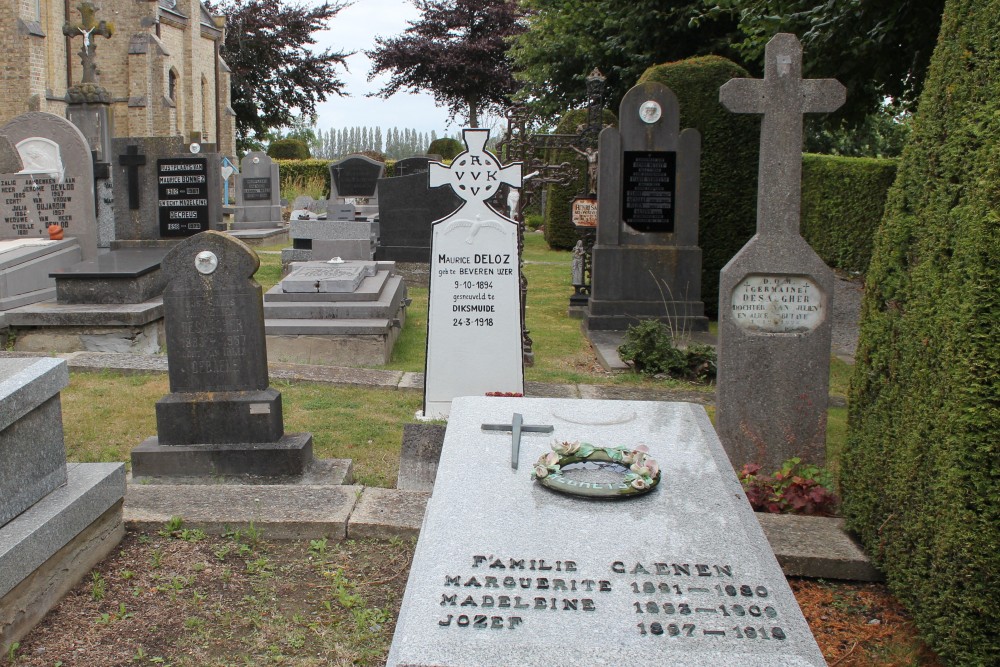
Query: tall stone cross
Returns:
{"type": "Point", "coordinates": [475, 175]}
{"type": "Point", "coordinates": [782, 96]}
{"type": "Point", "coordinates": [89, 27]}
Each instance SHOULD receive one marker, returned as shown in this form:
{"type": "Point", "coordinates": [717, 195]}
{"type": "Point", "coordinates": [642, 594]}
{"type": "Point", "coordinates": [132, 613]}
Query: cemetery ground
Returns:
{"type": "Point", "coordinates": [180, 597]}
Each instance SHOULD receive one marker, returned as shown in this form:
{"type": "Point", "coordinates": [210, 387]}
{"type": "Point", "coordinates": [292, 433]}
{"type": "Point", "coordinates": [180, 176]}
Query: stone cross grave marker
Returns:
{"type": "Point", "coordinates": [258, 195]}
{"type": "Point", "coordinates": [55, 185]}
{"type": "Point", "coordinates": [473, 320]}
{"type": "Point", "coordinates": [221, 417]}
{"type": "Point", "coordinates": [509, 573]}
{"type": "Point", "coordinates": [776, 294]}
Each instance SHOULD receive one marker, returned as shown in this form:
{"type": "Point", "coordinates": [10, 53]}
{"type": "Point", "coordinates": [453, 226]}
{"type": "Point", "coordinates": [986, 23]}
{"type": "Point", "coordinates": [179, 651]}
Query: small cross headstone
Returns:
{"type": "Point", "coordinates": [775, 295]}
{"type": "Point", "coordinates": [473, 323]}
{"type": "Point", "coordinates": [132, 160]}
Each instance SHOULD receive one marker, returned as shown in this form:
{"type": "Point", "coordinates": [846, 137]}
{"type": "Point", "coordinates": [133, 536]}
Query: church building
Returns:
{"type": "Point", "coordinates": [161, 65]}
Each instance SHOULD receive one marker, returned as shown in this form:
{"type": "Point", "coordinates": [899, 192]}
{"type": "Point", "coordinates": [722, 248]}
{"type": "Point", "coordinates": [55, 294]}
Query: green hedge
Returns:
{"type": "Point", "coordinates": [843, 199]}
{"type": "Point", "coordinates": [560, 233]}
{"type": "Point", "coordinates": [729, 147]}
{"type": "Point", "coordinates": [921, 468]}
{"type": "Point", "coordinates": [446, 147]}
{"type": "Point", "coordinates": [303, 171]}
{"type": "Point", "coordinates": [289, 149]}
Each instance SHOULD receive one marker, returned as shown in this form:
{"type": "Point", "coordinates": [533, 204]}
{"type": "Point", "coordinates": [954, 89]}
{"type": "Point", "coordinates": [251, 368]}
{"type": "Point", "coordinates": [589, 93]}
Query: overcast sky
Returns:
{"type": "Point", "coordinates": [354, 29]}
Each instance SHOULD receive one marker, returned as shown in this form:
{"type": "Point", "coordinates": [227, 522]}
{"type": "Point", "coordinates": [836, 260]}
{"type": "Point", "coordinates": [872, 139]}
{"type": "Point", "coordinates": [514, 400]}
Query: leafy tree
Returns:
{"type": "Point", "coordinates": [878, 50]}
{"type": "Point", "coordinates": [274, 72]}
{"type": "Point", "coordinates": [567, 39]}
{"type": "Point", "coordinates": [457, 51]}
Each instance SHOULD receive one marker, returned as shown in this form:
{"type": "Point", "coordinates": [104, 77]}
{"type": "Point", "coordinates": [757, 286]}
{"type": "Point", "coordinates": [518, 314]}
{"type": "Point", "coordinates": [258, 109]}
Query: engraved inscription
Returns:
{"type": "Point", "coordinates": [668, 598]}
{"type": "Point", "coordinates": [778, 304]}
{"type": "Point", "coordinates": [182, 189]}
{"type": "Point", "coordinates": [257, 189]}
{"type": "Point", "coordinates": [649, 181]}
{"type": "Point", "coordinates": [31, 204]}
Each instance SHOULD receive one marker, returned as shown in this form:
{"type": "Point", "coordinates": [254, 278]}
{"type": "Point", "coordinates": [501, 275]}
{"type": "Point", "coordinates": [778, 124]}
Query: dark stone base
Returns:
{"type": "Point", "coordinates": [110, 290]}
{"type": "Point", "coordinates": [219, 418]}
{"type": "Point", "coordinates": [290, 455]}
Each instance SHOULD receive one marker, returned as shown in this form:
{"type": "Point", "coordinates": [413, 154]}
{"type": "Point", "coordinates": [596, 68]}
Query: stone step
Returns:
{"type": "Point", "coordinates": [327, 327]}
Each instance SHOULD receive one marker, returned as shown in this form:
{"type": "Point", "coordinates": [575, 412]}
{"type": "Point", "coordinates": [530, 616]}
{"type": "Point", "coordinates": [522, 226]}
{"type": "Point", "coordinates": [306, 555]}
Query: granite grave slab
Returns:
{"type": "Point", "coordinates": [508, 573]}
{"type": "Point", "coordinates": [407, 211]}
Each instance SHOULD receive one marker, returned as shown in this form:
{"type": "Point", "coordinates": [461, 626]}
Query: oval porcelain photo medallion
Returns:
{"type": "Point", "coordinates": [581, 469]}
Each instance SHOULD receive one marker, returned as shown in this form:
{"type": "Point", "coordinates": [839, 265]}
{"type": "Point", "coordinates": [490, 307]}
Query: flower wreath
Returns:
{"type": "Point", "coordinates": [642, 477]}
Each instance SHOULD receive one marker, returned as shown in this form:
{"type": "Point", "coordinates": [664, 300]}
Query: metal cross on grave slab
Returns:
{"type": "Point", "coordinates": [516, 427]}
{"type": "Point", "coordinates": [475, 175]}
{"type": "Point", "coordinates": [132, 161]}
{"type": "Point", "coordinates": [782, 96]}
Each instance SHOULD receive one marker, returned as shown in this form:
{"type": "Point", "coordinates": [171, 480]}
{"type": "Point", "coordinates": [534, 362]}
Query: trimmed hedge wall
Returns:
{"type": "Point", "coordinates": [446, 147]}
{"type": "Point", "coordinates": [289, 149]}
{"type": "Point", "coordinates": [560, 233]}
{"type": "Point", "coordinates": [729, 148]}
{"type": "Point", "coordinates": [303, 171]}
{"type": "Point", "coordinates": [921, 468]}
{"type": "Point", "coordinates": [843, 199]}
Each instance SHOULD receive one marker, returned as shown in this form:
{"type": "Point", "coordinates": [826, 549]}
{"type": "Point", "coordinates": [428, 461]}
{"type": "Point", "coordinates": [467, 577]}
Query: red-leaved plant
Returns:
{"type": "Point", "coordinates": [505, 394]}
{"type": "Point", "coordinates": [794, 489]}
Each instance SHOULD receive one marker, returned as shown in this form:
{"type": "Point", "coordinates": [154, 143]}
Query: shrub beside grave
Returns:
{"type": "Point", "coordinates": [649, 348]}
{"type": "Point", "coordinates": [289, 149]}
{"type": "Point", "coordinates": [919, 476]}
{"type": "Point", "coordinates": [843, 199]}
{"type": "Point", "coordinates": [559, 230]}
{"type": "Point", "coordinates": [446, 147]}
{"type": "Point", "coordinates": [729, 144]}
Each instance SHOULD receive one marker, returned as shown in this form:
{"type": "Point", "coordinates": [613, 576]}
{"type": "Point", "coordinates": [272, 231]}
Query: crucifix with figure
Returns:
{"type": "Point", "coordinates": [776, 293]}
{"type": "Point", "coordinates": [473, 322]}
{"type": "Point", "coordinates": [89, 28]}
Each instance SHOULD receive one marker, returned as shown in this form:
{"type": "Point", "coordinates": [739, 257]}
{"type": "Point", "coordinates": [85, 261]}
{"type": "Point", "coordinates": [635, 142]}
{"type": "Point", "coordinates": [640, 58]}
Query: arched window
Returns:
{"type": "Point", "coordinates": [172, 84]}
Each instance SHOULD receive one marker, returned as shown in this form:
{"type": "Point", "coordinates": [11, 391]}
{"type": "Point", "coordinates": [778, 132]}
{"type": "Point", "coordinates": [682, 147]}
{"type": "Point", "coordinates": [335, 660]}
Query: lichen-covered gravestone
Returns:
{"type": "Point", "coordinates": [221, 417]}
{"type": "Point", "coordinates": [775, 295]}
{"type": "Point", "coordinates": [473, 315]}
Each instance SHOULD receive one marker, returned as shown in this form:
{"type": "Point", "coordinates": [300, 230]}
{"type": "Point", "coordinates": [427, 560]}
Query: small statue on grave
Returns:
{"type": "Point", "coordinates": [590, 155]}
{"type": "Point", "coordinates": [578, 256]}
{"type": "Point", "coordinates": [514, 199]}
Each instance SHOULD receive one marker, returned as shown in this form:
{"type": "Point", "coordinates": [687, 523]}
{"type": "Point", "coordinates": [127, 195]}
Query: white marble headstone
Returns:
{"type": "Point", "coordinates": [474, 311]}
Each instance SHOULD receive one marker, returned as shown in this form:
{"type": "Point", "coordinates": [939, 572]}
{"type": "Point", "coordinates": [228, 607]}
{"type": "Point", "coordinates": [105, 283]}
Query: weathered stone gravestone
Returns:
{"type": "Point", "coordinates": [407, 209]}
{"type": "Point", "coordinates": [646, 261]}
{"type": "Point", "coordinates": [473, 314]}
{"type": "Point", "coordinates": [776, 294]}
{"type": "Point", "coordinates": [221, 417]}
{"type": "Point", "coordinates": [509, 573]}
{"type": "Point", "coordinates": [56, 521]}
{"type": "Point", "coordinates": [344, 314]}
{"type": "Point", "coordinates": [55, 185]}
{"type": "Point", "coordinates": [258, 193]}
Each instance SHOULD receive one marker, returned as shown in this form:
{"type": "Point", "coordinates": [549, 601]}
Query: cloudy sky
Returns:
{"type": "Point", "coordinates": [354, 29]}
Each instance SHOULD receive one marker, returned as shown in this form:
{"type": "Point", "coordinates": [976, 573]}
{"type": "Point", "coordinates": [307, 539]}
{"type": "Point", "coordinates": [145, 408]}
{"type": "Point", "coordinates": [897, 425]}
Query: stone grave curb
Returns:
{"type": "Point", "coordinates": [815, 547]}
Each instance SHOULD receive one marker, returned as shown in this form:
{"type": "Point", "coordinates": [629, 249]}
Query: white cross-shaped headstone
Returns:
{"type": "Point", "coordinates": [476, 174]}
{"type": "Point", "coordinates": [782, 96]}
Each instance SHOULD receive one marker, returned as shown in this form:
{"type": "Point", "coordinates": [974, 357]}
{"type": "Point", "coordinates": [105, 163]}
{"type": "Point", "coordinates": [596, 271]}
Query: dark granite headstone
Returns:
{"type": "Point", "coordinates": [136, 189]}
{"type": "Point", "coordinates": [646, 261]}
{"type": "Point", "coordinates": [355, 176]}
{"type": "Point", "coordinates": [411, 165]}
{"type": "Point", "coordinates": [258, 197]}
{"type": "Point", "coordinates": [182, 188]}
{"type": "Point", "coordinates": [221, 416]}
{"type": "Point", "coordinates": [407, 208]}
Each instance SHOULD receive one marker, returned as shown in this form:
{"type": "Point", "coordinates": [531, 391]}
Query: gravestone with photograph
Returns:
{"type": "Point", "coordinates": [646, 260]}
{"type": "Point", "coordinates": [258, 193]}
{"type": "Point", "coordinates": [776, 294]}
{"type": "Point", "coordinates": [473, 314]}
{"type": "Point", "coordinates": [221, 417]}
{"type": "Point", "coordinates": [519, 564]}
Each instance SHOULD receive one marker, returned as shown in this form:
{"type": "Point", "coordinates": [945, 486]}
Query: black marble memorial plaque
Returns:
{"type": "Point", "coordinates": [257, 189]}
{"type": "Point", "coordinates": [182, 187]}
{"type": "Point", "coordinates": [649, 181]}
